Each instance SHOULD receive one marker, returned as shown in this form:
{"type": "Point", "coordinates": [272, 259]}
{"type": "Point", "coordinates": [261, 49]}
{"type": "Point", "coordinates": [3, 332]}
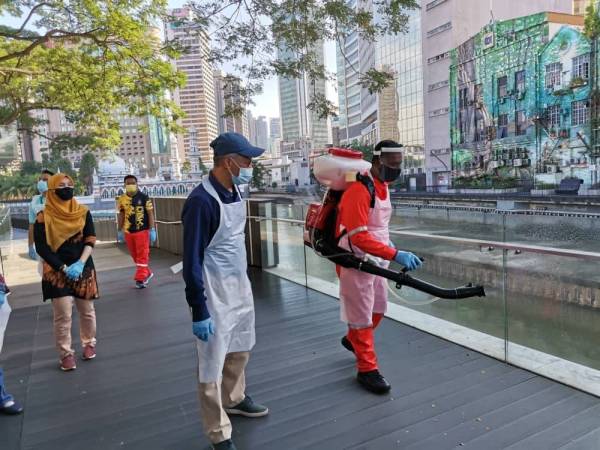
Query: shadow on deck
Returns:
{"type": "Point", "coordinates": [140, 393]}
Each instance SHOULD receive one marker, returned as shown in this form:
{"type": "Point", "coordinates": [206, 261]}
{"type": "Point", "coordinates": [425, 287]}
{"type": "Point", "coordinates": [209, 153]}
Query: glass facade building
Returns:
{"type": "Point", "coordinates": [402, 55]}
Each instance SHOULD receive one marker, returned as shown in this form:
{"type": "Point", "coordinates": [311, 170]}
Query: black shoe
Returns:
{"type": "Point", "coordinates": [140, 285]}
{"type": "Point", "coordinates": [347, 344]}
{"type": "Point", "coordinates": [248, 408]}
{"type": "Point", "coordinates": [225, 445]}
{"type": "Point", "coordinates": [374, 382]}
{"type": "Point", "coordinates": [13, 409]}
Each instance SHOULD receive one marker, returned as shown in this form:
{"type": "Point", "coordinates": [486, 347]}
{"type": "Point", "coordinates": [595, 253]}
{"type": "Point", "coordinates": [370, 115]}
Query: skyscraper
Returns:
{"type": "Point", "coordinates": [445, 24]}
{"type": "Point", "coordinates": [274, 128]}
{"type": "Point", "coordinates": [357, 107]}
{"type": "Point", "coordinates": [301, 128]}
{"type": "Point", "coordinates": [227, 93]}
{"type": "Point", "coordinates": [262, 132]}
{"type": "Point", "coordinates": [197, 97]}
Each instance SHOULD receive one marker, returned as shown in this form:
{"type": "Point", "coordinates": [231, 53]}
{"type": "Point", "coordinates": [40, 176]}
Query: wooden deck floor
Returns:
{"type": "Point", "coordinates": [140, 393]}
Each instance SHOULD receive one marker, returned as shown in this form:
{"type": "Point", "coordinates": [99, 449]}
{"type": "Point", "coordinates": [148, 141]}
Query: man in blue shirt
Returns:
{"type": "Point", "coordinates": [36, 205]}
{"type": "Point", "coordinates": [217, 287]}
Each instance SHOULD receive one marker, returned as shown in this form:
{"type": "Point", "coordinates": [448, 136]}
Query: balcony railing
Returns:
{"type": "Point", "coordinates": [541, 313]}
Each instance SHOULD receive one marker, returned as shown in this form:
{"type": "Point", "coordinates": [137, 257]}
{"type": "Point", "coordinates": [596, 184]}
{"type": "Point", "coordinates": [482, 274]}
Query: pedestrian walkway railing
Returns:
{"type": "Point", "coordinates": [541, 312]}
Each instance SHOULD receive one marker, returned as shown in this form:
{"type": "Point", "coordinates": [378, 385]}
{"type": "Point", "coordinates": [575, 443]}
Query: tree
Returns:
{"type": "Point", "coordinates": [202, 167]}
{"type": "Point", "coordinates": [31, 168]}
{"type": "Point", "coordinates": [186, 167]}
{"type": "Point", "coordinates": [269, 37]}
{"type": "Point", "coordinates": [86, 171]}
{"type": "Point", "coordinates": [592, 22]}
{"type": "Point", "coordinates": [89, 59]}
{"type": "Point", "coordinates": [367, 150]}
{"type": "Point", "coordinates": [258, 176]}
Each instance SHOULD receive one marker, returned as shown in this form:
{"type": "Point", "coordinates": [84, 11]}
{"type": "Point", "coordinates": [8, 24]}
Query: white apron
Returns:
{"type": "Point", "coordinates": [362, 294]}
{"type": "Point", "coordinates": [4, 313]}
{"type": "Point", "coordinates": [228, 291]}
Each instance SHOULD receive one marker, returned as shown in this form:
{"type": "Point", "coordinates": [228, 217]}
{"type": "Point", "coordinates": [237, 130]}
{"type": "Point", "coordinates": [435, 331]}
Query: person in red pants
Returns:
{"type": "Point", "coordinates": [136, 228]}
{"type": "Point", "coordinates": [364, 216]}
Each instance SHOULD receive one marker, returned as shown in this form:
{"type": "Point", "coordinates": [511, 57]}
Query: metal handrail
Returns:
{"type": "Point", "coordinates": [475, 242]}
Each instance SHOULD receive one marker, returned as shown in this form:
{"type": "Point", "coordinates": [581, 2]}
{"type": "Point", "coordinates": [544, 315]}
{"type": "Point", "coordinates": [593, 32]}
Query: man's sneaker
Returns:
{"type": "Point", "coordinates": [225, 445]}
{"type": "Point", "coordinates": [374, 382]}
{"type": "Point", "coordinates": [140, 285]}
{"type": "Point", "coordinates": [248, 408]}
{"type": "Point", "coordinates": [68, 363]}
{"type": "Point", "coordinates": [89, 352]}
{"type": "Point", "coordinates": [347, 344]}
{"type": "Point", "coordinates": [11, 408]}
{"type": "Point", "coordinates": [148, 278]}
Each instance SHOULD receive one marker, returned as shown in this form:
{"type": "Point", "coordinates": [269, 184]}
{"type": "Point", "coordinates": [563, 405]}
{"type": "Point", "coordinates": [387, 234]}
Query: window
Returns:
{"type": "Point", "coordinates": [440, 29]}
{"type": "Point", "coordinates": [463, 98]}
{"type": "Point", "coordinates": [502, 126]}
{"type": "Point", "coordinates": [479, 127]}
{"type": "Point", "coordinates": [503, 86]}
{"type": "Point", "coordinates": [553, 116]}
{"type": "Point", "coordinates": [520, 81]}
{"type": "Point", "coordinates": [478, 93]}
{"type": "Point", "coordinates": [434, 3]}
{"type": "Point", "coordinates": [581, 67]}
{"type": "Point", "coordinates": [553, 75]}
{"type": "Point", "coordinates": [579, 113]}
{"type": "Point", "coordinates": [520, 123]}
{"type": "Point", "coordinates": [439, 57]}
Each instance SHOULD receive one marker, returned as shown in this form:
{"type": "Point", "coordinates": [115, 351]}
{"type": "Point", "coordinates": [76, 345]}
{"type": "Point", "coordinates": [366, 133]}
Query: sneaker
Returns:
{"type": "Point", "coordinates": [374, 382]}
{"type": "Point", "coordinates": [68, 363]}
{"type": "Point", "coordinates": [11, 408]}
{"type": "Point", "coordinates": [347, 344]}
{"type": "Point", "coordinates": [248, 408]}
{"type": "Point", "coordinates": [225, 445]}
{"type": "Point", "coordinates": [89, 352]}
{"type": "Point", "coordinates": [140, 285]}
{"type": "Point", "coordinates": [148, 278]}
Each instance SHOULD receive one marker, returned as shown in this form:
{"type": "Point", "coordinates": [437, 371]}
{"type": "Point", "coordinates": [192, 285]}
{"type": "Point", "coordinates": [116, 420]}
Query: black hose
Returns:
{"type": "Point", "coordinates": [350, 261]}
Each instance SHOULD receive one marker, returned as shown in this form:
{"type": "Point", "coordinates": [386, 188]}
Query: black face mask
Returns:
{"type": "Point", "coordinates": [388, 174]}
{"type": "Point", "coordinates": [65, 193]}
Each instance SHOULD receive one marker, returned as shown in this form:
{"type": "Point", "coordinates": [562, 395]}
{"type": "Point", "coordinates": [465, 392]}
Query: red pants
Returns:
{"type": "Point", "coordinates": [139, 248]}
{"type": "Point", "coordinates": [363, 341]}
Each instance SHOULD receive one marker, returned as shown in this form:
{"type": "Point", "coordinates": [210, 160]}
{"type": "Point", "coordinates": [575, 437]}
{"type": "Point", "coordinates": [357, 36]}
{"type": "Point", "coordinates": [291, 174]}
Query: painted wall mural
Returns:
{"type": "Point", "coordinates": [520, 102]}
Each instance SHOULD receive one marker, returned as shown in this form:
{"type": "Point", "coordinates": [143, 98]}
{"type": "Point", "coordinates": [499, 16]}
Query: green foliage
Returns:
{"type": "Point", "coordinates": [592, 22]}
{"type": "Point", "coordinates": [186, 167]}
{"type": "Point", "coordinates": [258, 176]}
{"type": "Point", "coordinates": [89, 59]}
{"type": "Point", "coordinates": [285, 37]}
{"type": "Point", "coordinates": [202, 167]}
{"type": "Point", "coordinates": [31, 168]}
{"type": "Point", "coordinates": [18, 186]}
{"type": "Point", "coordinates": [486, 181]}
{"type": "Point", "coordinates": [367, 150]}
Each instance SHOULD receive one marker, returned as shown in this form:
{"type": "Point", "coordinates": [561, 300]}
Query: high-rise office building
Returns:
{"type": "Point", "coordinates": [400, 105]}
{"type": "Point", "coordinates": [227, 93]}
{"type": "Point", "coordinates": [357, 107]}
{"type": "Point", "coordinates": [445, 24]}
{"type": "Point", "coordinates": [197, 97]}
{"type": "Point", "coordinates": [301, 128]}
{"type": "Point", "coordinates": [580, 6]}
{"type": "Point", "coordinates": [274, 128]}
{"type": "Point", "coordinates": [9, 145]}
{"type": "Point", "coordinates": [262, 132]}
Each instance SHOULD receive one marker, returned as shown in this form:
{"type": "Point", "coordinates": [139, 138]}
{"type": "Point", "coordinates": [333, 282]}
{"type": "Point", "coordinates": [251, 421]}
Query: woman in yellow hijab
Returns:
{"type": "Point", "coordinates": [64, 237]}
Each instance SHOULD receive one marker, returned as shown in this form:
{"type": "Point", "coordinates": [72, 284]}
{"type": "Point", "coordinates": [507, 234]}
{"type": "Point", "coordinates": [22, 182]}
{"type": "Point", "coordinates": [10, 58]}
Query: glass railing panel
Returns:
{"type": "Point", "coordinates": [283, 240]}
{"type": "Point", "coordinates": [477, 322]}
{"type": "Point", "coordinates": [553, 316]}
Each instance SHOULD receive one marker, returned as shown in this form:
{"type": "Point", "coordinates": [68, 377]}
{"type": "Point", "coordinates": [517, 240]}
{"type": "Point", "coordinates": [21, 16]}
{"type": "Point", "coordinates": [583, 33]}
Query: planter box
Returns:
{"type": "Point", "coordinates": [484, 191]}
{"type": "Point", "coordinates": [542, 191]}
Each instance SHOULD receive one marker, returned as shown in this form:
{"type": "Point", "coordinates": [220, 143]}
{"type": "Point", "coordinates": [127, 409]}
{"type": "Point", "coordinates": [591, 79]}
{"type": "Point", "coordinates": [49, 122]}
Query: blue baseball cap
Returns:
{"type": "Point", "coordinates": [228, 143]}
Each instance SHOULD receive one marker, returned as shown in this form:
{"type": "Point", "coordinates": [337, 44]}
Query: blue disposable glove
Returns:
{"type": "Point", "coordinates": [120, 236]}
{"type": "Point", "coordinates": [408, 260]}
{"type": "Point", "coordinates": [203, 328]}
{"type": "Point", "coordinates": [152, 235]}
{"type": "Point", "coordinates": [32, 253]}
{"type": "Point", "coordinates": [75, 270]}
{"type": "Point", "coordinates": [2, 298]}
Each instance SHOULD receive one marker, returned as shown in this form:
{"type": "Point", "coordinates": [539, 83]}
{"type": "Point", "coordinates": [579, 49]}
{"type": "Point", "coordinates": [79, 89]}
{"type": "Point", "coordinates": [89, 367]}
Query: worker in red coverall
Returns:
{"type": "Point", "coordinates": [363, 228]}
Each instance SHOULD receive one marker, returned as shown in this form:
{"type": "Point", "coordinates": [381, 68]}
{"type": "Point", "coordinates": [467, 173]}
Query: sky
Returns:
{"type": "Point", "coordinates": [267, 103]}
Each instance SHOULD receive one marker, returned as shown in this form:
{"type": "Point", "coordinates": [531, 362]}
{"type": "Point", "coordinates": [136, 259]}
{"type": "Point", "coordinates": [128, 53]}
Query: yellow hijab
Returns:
{"type": "Point", "coordinates": [62, 219]}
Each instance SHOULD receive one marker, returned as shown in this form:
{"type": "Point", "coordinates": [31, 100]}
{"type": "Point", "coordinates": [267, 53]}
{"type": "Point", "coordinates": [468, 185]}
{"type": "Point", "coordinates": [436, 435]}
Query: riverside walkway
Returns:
{"type": "Point", "coordinates": [140, 392]}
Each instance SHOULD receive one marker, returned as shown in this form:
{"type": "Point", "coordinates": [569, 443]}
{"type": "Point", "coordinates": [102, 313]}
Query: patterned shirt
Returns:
{"type": "Point", "coordinates": [135, 210]}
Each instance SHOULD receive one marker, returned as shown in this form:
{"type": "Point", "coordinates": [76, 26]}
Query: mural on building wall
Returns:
{"type": "Point", "coordinates": [520, 92]}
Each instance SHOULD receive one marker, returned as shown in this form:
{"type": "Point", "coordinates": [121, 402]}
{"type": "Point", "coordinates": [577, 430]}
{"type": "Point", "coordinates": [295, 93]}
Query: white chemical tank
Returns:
{"type": "Point", "coordinates": [339, 168]}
